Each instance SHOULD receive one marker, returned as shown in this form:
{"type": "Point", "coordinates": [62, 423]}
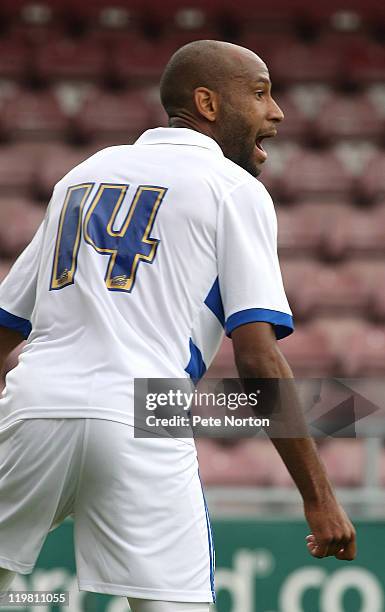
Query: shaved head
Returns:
{"type": "Point", "coordinates": [203, 63]}
{"type": "Point", "coordinates": [223, 91]}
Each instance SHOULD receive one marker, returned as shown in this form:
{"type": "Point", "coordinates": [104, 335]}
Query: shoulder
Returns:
{"type": "Point", "coordinates": [102, 157]}
{"type": "Point", "coordinates": [242, 182]}
{"type": "Point", "coordinates": [230, 182]}
{"type": "Point", "coordinates": [248, 192]}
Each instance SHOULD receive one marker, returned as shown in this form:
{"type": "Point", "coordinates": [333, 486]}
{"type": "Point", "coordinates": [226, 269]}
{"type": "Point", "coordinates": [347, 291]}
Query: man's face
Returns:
{"type": "Point", "coordinates": [247, 114]}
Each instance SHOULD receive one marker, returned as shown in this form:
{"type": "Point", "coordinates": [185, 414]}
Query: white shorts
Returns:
{"type": "Point", "coordinates": [141, 525]}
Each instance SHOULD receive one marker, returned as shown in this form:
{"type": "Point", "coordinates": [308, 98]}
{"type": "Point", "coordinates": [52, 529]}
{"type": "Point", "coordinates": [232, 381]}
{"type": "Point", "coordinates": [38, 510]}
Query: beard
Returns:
{"type": "Point", "coordinates": [236, 139]}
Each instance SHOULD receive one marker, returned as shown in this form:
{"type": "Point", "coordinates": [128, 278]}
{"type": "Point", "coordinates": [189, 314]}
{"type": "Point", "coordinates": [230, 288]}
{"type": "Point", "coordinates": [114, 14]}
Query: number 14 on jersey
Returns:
{"type": "Point", "coordinates": [126, 247]}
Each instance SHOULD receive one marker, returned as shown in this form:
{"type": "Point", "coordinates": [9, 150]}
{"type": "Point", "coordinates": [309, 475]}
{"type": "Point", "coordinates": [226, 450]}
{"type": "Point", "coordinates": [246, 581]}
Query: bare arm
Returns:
{"type": "Point", "coordinates": [257, 356]}
{"type": "Point", "coordinates": [9, 340]}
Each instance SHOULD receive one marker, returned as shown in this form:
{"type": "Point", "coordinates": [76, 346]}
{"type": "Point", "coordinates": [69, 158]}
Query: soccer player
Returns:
{"type": "Point", "coordinates": [147, 254]}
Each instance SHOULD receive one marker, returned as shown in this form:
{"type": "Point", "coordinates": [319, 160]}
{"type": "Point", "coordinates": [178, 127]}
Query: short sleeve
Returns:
{"type": "Point", "coordinates": [250, 279]}
{"type": "Point", "coordinates": [18, 289]}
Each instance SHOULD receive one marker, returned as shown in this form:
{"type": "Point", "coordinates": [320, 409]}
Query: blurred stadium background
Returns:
{"type": "Point", "coordinates": [76, 76]}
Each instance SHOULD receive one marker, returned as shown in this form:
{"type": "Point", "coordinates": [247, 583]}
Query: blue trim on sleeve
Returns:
{"type": "Point", "coordinates": [23, 326]}
{"type": "Point", "coordinates": [283, 322]}
{"type": "Point", "coordinates": [213, 301]}
{"type": "Point", "coordinates": [196, 367]}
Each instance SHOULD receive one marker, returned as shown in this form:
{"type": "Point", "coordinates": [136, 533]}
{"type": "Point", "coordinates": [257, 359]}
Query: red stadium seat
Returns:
{"type": "Point", "coordinates": [316, 175]}
{"type": "Point", "coordinates": [303, 63]}
{"type": "Point", "coordinates": [54, 164]}
{"type": "Point", "coordinates": [377, 309]}
{"type": "Point", "coordinates": [343, 289]}
{"type": "Point", "coordinates": [305, 228]}
{"type": "Point", "coordinates": [350, 116]}
{"type": "Point", "coordinates": [217, 465]}
{"type": "Point", "coordinates": [296, 124]}
{"type": "Point", "coordinates": [262, 43]}
{"type": "Point", "coordinates": [378, 302]}
{"type": "Point", "coordinates": [367, 64]}
{"type": "Point", "coordinates": [223, 365]}
{"type": "Point", "coordinates": [33, 115]}
{"type": "Point", "coordinates": [65, 58]}
{"type": "Point", "coordinates": [338, 331]}
{"type": "Point", "coordinates": [101, 13]}
{"type": "Point", "coordinates": [357, 232]}
{"type": "Point", "coordinates": [137, 60]}
{"type": "Point", "coordinates": [296, 273]}
{"type": "Point", "coordinates": [365, 356]}
{"type": "Point", "coordinates": [237, 462]}
{"type": "Point", "coordinates": [270, 180]}
{"type": "Point", "coordinates": [17, 170]}
{"type": "Point", "coordinates": [309, 352]}
{"type": "Point", "coordinates": [121, 117]}
{"type": "Point", "coordinates": [344, 461]}
{"type": "Point", "coordinates": [164, 14]}
{"type": "Point", "coordinates": [13, 58]}
{"type": "Point", "coordinates": [314, 288]}
{"type": "Point", "coordinates": [19, 220]}
{"type": "Point", "coordinates": [158, 116]}
{"type": "Point", "coordinates": [372, 180]}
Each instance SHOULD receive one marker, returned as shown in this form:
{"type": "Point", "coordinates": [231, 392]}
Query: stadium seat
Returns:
{"type": "Point", "coordinates": [377, 303]}
{"type": "Point", "coordinates": [377, 309]}
{"type": "Point", "coordinates": [372, 181]}
{"type": "Point", "coordinates": [158, 116]}
{"type": "Point", "coordinates": [303, 63]}
{"type": "Point", "coordinates": [367, 64]}
{"type": "Point", "coordinates": [137, 60]}
{"type": "Point", "coordinates": [277, 472]}
{"type": "Point", "coordinates": [365, 356]}
{"type": "Point", "coordinates": [167, 14]}
{"type": "Point", "coordinates": [240, 462]}
{"type": "Point", "coordinates": [305, 228]}
{"type": "Point", "coordinates": [344, 460]}
{"type": "Point", "coordinates": [114, 16]}
{"type": "Point", "coordinates": [223, 365]}
{"type": "Point", "coordinates": [13, 58]}
{"type": "Point", "coordinates": [65, 58]}
{"type": "Point", "coordinates": [357, 232]}
{"type": "Point", "coordinates": [33, 115]}
{"type": "Point", "coordinates": [309, 352]}
{"type": "Point", "coordinates": [263, 42]}
{"type": "Point", "coordinates": [19, 220]}
{"type": "Point", "coordinates": [343, 289]}
{"type": "Point", "coordinates": [338, 330]}
{"type": "Point", "coordinates": [296, 124]}
{"type": "Point", "coordinates": [17, 170]}
{"type": "Point", "coordinates": [316, 175]}
{"type": "Point", "coordinates": [270, 180]}
{"type": "Point", "coordinates": [113, 116]}
{"type": "Point", "coordinates": [349, 117]}
{"type": "Point", "coordinates": [216, 463]}
{"type": "Point", "coordinates": [54, 164]}
{"type": "Point", "coordinates": [297, 272]}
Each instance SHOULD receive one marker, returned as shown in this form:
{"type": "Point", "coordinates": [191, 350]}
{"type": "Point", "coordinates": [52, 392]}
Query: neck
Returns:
{"type": "Point", "coordinates": [190, 122]}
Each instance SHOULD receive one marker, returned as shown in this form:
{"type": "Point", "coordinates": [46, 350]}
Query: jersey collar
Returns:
{"type": "Point", "coordinates": [178, 136]}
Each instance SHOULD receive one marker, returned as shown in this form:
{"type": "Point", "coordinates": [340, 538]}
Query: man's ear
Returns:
{"type": "Point", "coordinates": [206, 102]}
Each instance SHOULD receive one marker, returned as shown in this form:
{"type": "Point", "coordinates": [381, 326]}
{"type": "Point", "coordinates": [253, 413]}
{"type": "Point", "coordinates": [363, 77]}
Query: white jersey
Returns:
{"type": "Point", "coordinates": [148, 253]}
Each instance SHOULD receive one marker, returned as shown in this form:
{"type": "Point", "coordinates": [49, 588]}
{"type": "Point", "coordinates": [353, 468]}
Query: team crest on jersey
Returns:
{"type": "Point", "coordinates": [63, 276]}
{"type": "Point", "coordinates": [119, 281]}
